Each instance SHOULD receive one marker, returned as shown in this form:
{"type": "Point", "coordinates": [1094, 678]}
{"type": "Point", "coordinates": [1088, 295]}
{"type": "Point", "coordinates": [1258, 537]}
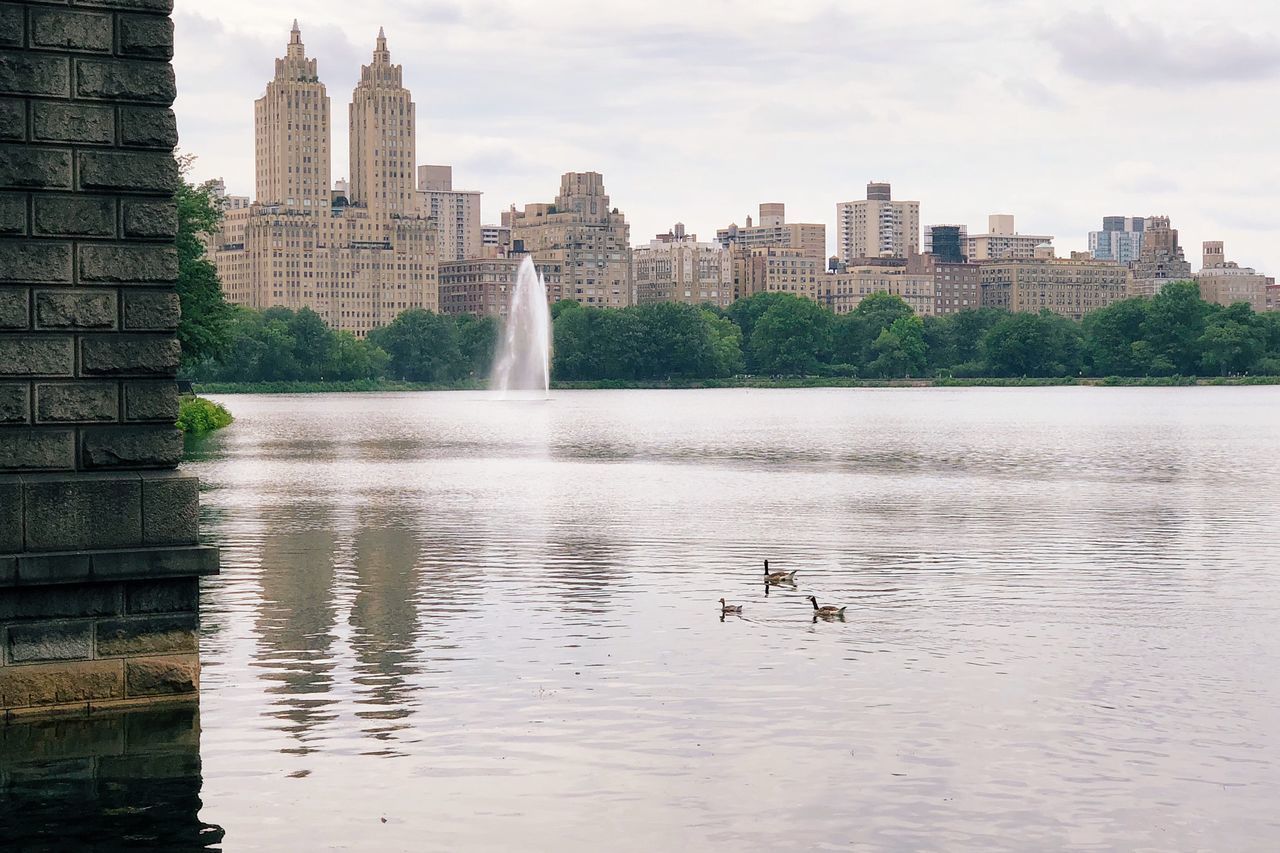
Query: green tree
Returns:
{"type": "Point", "coordinates": [726, 344]}
{"type": "Point", "coordinates": [1114, 344]}
{"type": "Point", "coordinates": [1234, 340]}
{"type": "Point", "coordinates": [856, 333]}
{"type": "Point", "coordinates": [203, 330]}
{"type": "Point", "coordinates": [1173, 328]}
{"type": "Point", "coordinates": [574, 353]}
{"type": "Point", "coordinates": [745, 313]}
{"type": "Point", "coordinates": [900, 349]}
{"type": "Point", "coordinates": [478, 342]}
{"type": "Point", "coordinates": [676, 341]}
{"type": "Point", "coordinates": [422, 345]}
{"type": "Point", "coordinates": [792, 337]}
{"type": "Point", "coordinates": [1040, 345]}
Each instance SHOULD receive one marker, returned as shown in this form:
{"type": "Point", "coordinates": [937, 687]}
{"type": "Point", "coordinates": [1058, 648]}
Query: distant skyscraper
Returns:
{"type": "Point", "coordinates": [456, 213]}
{"type": "Point", "coordinates": [1120, 239]}
{"type": "Point", "coordinates": [1225, 282]}
{"type": "Point", "coordinates": [291, 123]}
{"type": "Point", "coordinates": [1003, 242]}
{"type": "Point", "coordinates": [1161, 259]}
{"type": "Point", "coordinates": [946, 242]}
{"type": "Point", "coordinates": [675, 267]}
{"type": "Point", "coordinates": [584, 235]}
{"type": "Point", "coordinates": [774, 230]}
{"type": "Point", "coordinates": [877, 227]}
{"type": "Point", "coordinates": [383, 138]}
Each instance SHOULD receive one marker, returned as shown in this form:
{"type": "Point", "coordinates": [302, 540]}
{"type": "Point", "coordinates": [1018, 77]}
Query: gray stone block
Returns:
{"type": "Point", "coordinates": [79, 31]}
{"type": "Point", "coordinates": [8, 569]}
{"type": "Point", "coordinates": [77, 402]}
{"type": "Point", "coordinates": [13, 214]}
{"type": "Point", "coordinates": [13, 119]}
{"type": "Point", "coordinates": [26, 73]}
{"type": "Point", "coordinates": [65, 683]}
{"type": "Point", "coordinates": [152, 563]}
{"type": "Point", "coordinates": [50, 641]}
{"type": "Point", "coordinates": [131, 447]}
{"type": "Point", "coordinates": [172, 595]}
{"type": "Point", "coordinates": [126, 171]}
{"type": "Point", "coordinates": [15, 403]}
{"type": "Point", "coordinates": [79, 123]}
{"type": "Point", "coordinates": [10, 517]}
{"type": "Point", "coordinates": [15, 310]}
{"type": "Point", "coordinates": [12, 26]}
{"type": "Point", "coordinates": [150, 219]}
{"type": "Point", "coordinates": [173, 674]}
{"type": "Point", "coordinates": [121, 355]}
{"type": "Point", "coordinates": [76, 308]}
{"type": "Point", "coordinates": [151, 401]}
{"type": "Point", "coordinates": [124, 80]}
{"type": "Point", "coordinates": [73, 601]}
{"type": "Point", "coordinates": [74, 216]}
{"type": "Point", "coordinates": [34, 168]}
{"type": "Point", "coordinates": [146, 635]}
{"type": "Point", "coordinates": [30, 355]}
{"type": "Point", "coordinates": [38, 262]}
{"type": "Point", "coordinates": [148, 127]}
{"type": "Point", "coordinates": [147, 36]}
{"type": "Point", "coordinates": [35, 569]}
{"type": "Point", "coordinates": [27, 449]}
{"type": "Point", "coordinates": [82, 512]}
{"type": "Point", "coordinates": [170, 509]}
{"type": "Point", "coordinates": [151, 310]}
{"type": "Point", "coordinates": [111, 263]}
{"type": "Point", "coordinates": [164, 6]}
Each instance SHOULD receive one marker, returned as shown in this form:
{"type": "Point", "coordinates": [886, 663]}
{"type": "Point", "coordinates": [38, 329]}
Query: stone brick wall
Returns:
{"type": "Point", "coordinates": [88, 312]}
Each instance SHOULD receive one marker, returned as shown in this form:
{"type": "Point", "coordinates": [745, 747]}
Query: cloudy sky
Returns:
{"type": "Point", "coordinates": [698, 110]}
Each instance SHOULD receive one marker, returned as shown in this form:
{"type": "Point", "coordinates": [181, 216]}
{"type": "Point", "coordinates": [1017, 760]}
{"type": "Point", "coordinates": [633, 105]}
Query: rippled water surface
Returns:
{"type": "Point", "coordinates": [448, 623]}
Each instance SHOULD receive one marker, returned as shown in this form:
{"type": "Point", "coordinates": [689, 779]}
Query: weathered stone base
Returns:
{"type": "Point", "coordinates": [94, 642]}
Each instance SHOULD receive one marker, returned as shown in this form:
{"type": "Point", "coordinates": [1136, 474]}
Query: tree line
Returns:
{"type": "Point", "coordinates": [770, 334]}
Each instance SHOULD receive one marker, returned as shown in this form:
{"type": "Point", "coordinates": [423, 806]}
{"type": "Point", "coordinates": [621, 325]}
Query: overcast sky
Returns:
{"type": "Point", "coordinates": [698, 110]}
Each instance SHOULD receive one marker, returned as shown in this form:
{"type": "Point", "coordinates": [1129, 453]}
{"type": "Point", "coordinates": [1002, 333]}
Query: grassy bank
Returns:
{"type": "Point", "coordinates": [197, 416]}
{"type": "Point", "coordinates": [740, 382]}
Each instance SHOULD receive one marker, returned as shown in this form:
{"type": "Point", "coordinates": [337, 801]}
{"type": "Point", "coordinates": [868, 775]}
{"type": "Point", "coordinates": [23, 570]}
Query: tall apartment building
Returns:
{"type": "Point", "coordinates": [456, 213]}
{"type": "Point", "coordinates": [357, 264]}
{"type": "Point", "coordinates": [842, 290]}
{"type": "Point", "coordinates": [1002, 241]}
{"type": "Point", "coordinates": [1161, 259]}
{"type": "Point", "coordinates": [877, 227]}
{"type": "Point", "coordinates": [774, 230]}
{"type": "Point", "coordinates": [483, 285]}
{"type": "Point", "coordinates": [1120, 239]}
{"type": "Point", "coordinates": [675, 267]}
{"type": "Point", "coordinates": [1071, 287]}
{"type": "Point", "coordinates": [778, 269]}
{"type": "Point", "coordinates": [581, 232]}
{"type": "Point", "coordinates": [956, 286]}
{"type": "Point", "coordinates": [1225, 282]}
{"type": "Point", "coordinates": [946, 242]}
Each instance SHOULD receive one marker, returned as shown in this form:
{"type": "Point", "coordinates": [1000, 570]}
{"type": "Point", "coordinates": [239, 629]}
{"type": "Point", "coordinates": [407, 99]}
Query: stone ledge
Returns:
{"type": "Point", "coordinates": [48, 569]}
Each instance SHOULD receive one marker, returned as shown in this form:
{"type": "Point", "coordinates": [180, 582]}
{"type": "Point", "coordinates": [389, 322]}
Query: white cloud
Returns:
{"type": "Point", "coordinates": [698, 111]}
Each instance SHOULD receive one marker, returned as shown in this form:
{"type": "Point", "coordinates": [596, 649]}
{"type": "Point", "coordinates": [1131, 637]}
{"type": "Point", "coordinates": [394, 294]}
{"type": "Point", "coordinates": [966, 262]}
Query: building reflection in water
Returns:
{"type": "Point", "coordinates": [109, 782]}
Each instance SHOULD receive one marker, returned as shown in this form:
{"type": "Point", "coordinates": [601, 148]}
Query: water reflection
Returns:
{"type": "Point", "coordinates": [115, 781]}
{"type": "Point", "coordinates": [485, 622]}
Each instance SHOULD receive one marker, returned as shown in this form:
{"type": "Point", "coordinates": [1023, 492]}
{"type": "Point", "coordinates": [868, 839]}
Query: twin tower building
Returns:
{"type": "Point", "coordinates": [361, 252]}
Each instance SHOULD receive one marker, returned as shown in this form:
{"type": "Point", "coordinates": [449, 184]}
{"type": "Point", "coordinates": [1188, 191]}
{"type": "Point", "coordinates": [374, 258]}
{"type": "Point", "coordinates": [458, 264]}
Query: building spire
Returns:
{"type": "Point", "coordinates": [380, 52]}
{"type": "Point", "coordinates": [295, 35]}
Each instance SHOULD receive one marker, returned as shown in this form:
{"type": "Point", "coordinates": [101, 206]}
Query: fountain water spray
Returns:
{"type": "Point", "coordinates": [524, 353]}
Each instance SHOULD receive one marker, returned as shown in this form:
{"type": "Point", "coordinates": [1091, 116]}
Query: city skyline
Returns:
{"type": "Point", "coordinates": [676, 152]}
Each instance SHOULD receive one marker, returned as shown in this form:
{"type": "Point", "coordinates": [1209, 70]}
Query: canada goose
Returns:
{"type": "Point", "coordinates": [729, 608]}
{"type": "Point", "coordinates": [826, 609]}
{"type": "Point", "coordinates": [778, 577]}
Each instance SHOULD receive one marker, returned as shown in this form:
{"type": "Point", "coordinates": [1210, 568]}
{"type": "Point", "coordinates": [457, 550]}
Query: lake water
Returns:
{"type": "Point", "coordinates": [448, 623]}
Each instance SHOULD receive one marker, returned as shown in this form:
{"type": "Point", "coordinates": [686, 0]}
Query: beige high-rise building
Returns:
{"type": "Point", "coordinates": [774, 230]}
{"type": "Point", "coordinates": [1160, 259]}
{"type": "Point", "coordinates": [357, 266]}
{"type": "Point", "coordinates": [675, 267]}
{"type": "Point", "coordinates": [291, 123]}
{"type": "Point", "coordinates": [1071, 287]}
{"type": "Point", "coordinates": [877, 226]}
{"type": "Point", "coordinates": [777, 269]}
{"type": "Point", "coordinates": [383, 138]}
{"type": "Point", "coordinates": [1002, 241]}
{"type": "Point", "coordinates": [584, 235]}
{"type": "Point", "coordinates": [483, 285]}
{"type": "Point", "coordinates": [1225, 282]}
{"type": "Point", "coordinates": [456, 213]}
{"type": "Point", "coordinates": [495, 241]}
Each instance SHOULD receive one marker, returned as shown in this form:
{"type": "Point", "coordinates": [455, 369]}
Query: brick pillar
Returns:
{"type": "Point", "coordinates": [99, 557]}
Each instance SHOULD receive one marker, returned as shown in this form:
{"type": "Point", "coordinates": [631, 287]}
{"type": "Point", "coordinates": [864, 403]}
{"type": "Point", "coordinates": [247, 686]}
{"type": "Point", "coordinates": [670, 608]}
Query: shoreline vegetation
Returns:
{"type": "Point", "coordinates": [198, 416]}
{"type": "Point", "coordinates": [761, 382]}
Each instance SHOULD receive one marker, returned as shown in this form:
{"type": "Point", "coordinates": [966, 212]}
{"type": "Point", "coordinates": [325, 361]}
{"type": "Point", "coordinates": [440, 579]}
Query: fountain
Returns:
{"type": "Point", "coordinates": [524, 353]}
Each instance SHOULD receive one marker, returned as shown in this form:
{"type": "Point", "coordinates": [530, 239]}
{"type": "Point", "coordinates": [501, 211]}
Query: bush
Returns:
{"type": "Point", "coordinates": [196, 416]}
